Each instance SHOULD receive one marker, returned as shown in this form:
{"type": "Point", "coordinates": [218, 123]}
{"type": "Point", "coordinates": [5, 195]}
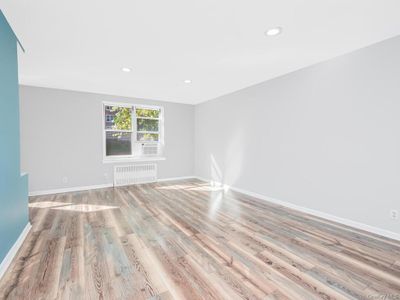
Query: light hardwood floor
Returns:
{"type": "Point", "coordinates": [187, 240]}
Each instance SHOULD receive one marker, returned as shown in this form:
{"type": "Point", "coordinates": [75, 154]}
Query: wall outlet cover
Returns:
{"type": "Point", "coordinates": [394, 214]}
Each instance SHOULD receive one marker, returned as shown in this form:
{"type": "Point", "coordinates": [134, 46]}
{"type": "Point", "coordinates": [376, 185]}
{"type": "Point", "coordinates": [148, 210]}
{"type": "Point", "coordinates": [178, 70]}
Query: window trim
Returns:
{"type": "Point", "coordinates": [134, 132]}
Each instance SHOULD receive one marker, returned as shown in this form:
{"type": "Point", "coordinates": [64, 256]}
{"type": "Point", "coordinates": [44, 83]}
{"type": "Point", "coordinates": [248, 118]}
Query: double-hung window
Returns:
{"type": "Point", "coordinates": [132, 131]}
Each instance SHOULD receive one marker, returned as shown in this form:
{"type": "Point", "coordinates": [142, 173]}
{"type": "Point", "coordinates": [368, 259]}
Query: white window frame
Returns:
{"type": "Point", "coordinates": [134, 132]}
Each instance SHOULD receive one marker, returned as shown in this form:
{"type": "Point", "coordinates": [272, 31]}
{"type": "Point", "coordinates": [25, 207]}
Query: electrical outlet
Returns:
{"type": "Point", "coordinates": [65, 179]}
{"type": "Point", "coordinates": [394, 214]}
{"type": "Point", "coordinates": [106, 175]}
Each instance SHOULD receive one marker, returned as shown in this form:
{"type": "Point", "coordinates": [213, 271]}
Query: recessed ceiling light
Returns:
{"type": "Point", "coordinates": [187, 81]}
{"type": "Point", "coordinates": [126, 70]}
{"type": "Point", "coordinates": [273, 31]}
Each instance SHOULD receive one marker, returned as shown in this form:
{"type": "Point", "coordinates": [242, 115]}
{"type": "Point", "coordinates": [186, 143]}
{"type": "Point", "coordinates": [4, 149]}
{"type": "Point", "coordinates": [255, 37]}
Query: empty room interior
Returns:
{"type": "Point", "coordinates": [200, 149]}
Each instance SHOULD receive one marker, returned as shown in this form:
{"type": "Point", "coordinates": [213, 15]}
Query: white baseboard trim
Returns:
{"type": "Point", "coordinates": [14, 249]}
{"type": "Point", "coordinates": [93, 187]}
{"type": "Point", "coordinates": [343, 221]}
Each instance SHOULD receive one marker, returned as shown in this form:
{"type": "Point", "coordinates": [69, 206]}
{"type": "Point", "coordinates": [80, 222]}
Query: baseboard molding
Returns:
{"type": "Point", "coordinates": [93, 187]}
{"type": "Point", "coordinates": [14, 249]}
{"type": "Point", "coordinates": [343, 221]}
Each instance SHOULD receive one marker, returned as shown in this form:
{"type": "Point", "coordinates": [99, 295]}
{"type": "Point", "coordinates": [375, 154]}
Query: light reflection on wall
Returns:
{"type": "Point", "coordinates": [228, 169]}
{"type": "Point", "coordinates": [234, 157]}
{"type": "Point", "coordinates": [216, 173]}
{"type": "Point", "coordinates": [220, 198]}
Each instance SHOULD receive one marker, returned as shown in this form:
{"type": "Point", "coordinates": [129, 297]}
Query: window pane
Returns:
{"type": "Point", "coordinates": [118, 118]}
{"type": "Point", "coordinates": [147, 125]}
{"type": "Point", "coordinates": [149, 113]}
{"type": "Point", "coordinates": [147, 137]}
{"type": "Point", "coordinates": [118, 143]}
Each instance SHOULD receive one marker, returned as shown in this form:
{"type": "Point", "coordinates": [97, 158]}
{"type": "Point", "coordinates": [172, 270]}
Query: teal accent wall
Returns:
{"type": "Point", "coordinates": [13, 186]}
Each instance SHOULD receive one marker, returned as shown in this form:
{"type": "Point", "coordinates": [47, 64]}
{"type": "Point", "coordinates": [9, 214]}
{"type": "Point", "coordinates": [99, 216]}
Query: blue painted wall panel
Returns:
{"type": "Point", "coordinates": [13, 186]}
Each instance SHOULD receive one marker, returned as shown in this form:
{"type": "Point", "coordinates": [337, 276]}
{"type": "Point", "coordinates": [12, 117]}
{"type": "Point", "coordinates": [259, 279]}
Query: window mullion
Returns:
{"type": "Point", "coordinates": [134, 126]}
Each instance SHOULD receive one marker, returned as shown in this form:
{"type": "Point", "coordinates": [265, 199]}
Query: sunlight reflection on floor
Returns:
{"type": "Point", "coordinates": [71, 207]}
{"type": "Point", "coordinates": [205, 187]}
{"type": "Point", "coordinates": [174, 187]}
{"type": "Point", "coordinates": [47, 204]}
{"type": "Point", "coordinates": [216, 202]}
{"type": "Point", "coordinates": [85, 207]}
{"type": "Point", "coordinates": [208, 188]}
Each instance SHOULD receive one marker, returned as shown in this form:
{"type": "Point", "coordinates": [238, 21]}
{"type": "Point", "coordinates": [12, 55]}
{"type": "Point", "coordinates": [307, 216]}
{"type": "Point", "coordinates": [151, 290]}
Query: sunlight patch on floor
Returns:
{"type": "Point", "coordinates": [216, 202]}
{"type": "Point", "coordinates": [85, 207]}
{"type": "Point", "coordinates": [208, 188]}
{"type": "Point", "coordinates": [70, 207]}
{"type": "Point", "coordinates": [47, 204]}
{"type": "Point", "coordinates": [174, 187]}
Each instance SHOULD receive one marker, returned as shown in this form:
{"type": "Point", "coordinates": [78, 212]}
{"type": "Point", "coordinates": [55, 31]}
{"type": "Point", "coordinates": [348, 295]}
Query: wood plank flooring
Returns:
{"type": "Point", "coordinates": [187, 240]}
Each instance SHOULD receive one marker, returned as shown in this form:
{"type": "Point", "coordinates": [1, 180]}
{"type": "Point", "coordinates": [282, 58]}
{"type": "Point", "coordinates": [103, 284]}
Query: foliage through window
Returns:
{"type": "Point", "coordinates": [127, 128]}
{"type": "Point", "coordinates": [147, 125]}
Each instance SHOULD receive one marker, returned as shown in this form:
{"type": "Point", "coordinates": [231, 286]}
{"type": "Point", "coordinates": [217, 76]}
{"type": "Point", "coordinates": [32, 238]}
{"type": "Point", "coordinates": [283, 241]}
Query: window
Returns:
{"type": "Point", "coordinates": [131, 130]}
{"type": "Point", "coordinates": [147, 124]}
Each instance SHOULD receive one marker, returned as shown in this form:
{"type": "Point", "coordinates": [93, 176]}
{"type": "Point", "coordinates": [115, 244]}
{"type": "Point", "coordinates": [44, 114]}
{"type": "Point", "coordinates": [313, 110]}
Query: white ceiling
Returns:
{"type": "Point", "coordinates": [219, 44]}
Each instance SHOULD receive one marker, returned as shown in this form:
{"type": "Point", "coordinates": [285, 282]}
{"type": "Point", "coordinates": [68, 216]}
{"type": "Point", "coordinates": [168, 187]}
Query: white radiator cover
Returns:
{"type": "Point", "coordinates": [135, 173]}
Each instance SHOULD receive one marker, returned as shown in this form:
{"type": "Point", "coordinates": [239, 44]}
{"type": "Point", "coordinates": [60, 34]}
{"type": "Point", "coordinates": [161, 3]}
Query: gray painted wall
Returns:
{"type": "Point", "coordinates": [61, 136]}
{"type": "Point", "coordinates": [326, 137]}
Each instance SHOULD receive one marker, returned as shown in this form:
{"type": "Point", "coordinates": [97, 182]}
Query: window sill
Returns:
{"type": "Point", "coordinates": [132, 159]}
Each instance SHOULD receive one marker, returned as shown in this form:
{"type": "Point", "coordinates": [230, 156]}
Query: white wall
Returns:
{"type": "Point", "coordinates": [326, 137]}
{"type": "Point", "coordinates": [61, 136]}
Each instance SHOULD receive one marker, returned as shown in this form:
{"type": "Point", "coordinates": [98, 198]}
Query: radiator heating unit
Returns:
{"type": "Point", "coordinates": [134, 174]}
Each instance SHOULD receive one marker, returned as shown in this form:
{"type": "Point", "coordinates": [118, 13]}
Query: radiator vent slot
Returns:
{"type": "Point", "coordinates": [133, 174]}
{"type": "Point", "coordinates": [150, 149]}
